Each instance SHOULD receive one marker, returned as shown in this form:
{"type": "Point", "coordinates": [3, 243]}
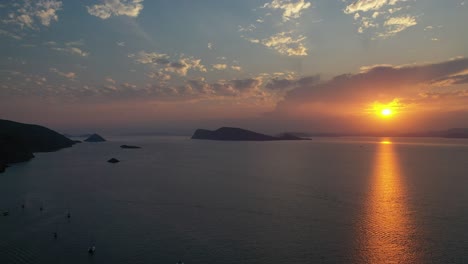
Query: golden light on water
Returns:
{"type": "Point", "coordinates": [385, 141]}
{"type": "Point", "coordinates": [387, 225]}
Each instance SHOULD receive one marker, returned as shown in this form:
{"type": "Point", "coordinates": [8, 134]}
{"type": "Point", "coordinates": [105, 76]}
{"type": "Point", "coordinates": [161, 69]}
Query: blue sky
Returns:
{"type": "Point", "coordinates": [174, 65]}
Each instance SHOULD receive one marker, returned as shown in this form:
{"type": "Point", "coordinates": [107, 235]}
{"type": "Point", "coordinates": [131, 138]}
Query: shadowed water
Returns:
{"type": "Point", "coordinates": [339, 200]}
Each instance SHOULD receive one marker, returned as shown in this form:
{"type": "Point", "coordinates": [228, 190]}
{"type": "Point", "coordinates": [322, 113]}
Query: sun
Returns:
{"type": "Point", "coordinates": [386, 112]}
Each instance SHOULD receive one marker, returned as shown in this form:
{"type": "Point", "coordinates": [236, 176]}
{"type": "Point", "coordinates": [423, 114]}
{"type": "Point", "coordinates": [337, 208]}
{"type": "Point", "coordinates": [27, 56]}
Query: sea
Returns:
{"type": "Point", "coordinates": [327, 200]}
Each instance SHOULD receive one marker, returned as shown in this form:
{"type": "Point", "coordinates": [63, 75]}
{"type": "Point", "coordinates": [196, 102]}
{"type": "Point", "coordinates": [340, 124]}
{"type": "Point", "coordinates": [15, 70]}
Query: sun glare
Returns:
{"type": "Point", "coordinates": [386, 112]}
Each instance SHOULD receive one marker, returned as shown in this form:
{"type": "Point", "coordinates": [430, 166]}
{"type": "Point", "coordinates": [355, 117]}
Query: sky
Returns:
{"type": "Point", "coordinates": [129, 66]}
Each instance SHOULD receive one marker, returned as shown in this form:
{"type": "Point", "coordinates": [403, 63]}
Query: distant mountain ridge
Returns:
{"type": "Point", "coordinates": [239, 134]}
{"type": "Point", "coordinates": [19, 141]}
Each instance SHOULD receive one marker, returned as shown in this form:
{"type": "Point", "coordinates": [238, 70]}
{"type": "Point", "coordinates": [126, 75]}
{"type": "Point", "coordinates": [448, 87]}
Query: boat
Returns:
{"type": "Point", "coordinates": [91, 250]}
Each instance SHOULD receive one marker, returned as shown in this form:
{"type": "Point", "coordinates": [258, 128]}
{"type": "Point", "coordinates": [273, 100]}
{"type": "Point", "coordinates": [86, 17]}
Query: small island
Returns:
{"type": "Point", "coordinates": [239, 134]}
{"type": "Point", "coordinates": [95, 138]}
{"type": "Point", "coordinates": [19, 141]}
{"type": "Point", "coordinates": [113, 161]}
{"type": "Point", "coordinates": [129, 147]}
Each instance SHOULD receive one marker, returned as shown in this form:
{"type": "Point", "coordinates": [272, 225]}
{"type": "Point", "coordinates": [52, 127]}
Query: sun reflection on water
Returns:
{"type": "Point", "coordinates": [388, 233]}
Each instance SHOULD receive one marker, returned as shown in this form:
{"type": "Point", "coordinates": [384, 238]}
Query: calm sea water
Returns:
{"type": "Point", "coordinates": [339, 200]}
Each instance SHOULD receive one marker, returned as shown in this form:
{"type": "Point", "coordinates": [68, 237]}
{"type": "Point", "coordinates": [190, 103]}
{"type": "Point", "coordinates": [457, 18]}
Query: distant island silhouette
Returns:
{"type": "Point", "coordinates": [95, 138]}
{"type": "Point", "coordinates": [239, 134]}
{"type": "Point", "coordinates": [19, 141]}
{"type": "Point", "coordinates": [129, 147]}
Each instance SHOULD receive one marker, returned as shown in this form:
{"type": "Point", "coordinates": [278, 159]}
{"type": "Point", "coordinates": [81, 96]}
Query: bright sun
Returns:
{"type": "Point", "coordinates": [386, 112]}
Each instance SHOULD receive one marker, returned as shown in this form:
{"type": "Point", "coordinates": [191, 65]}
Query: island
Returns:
{"type": "Point", "coordinates": [95, 138]}
{"type": "Point", "coordinates": [129, 147]}
{"type": "Point", "coordinates": [19, 141]}
{"type": "Point", "coordinates": [113, 160]}
{"type": "Point", "coordinates": [239, 134]}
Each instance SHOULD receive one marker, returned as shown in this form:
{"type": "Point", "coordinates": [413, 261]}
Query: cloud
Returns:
{"type": "Point", "coordinates": [285, 43]}
{"type": "Point", "coordinates": [210, 46]}
{"type": "Point", "coordinates": [283, 40]}
{"type": "Point", "coordinates": [380, 16]}
{"type": "Point", "coordinates": [183, 65]}
{"type": "Point", "coordinates": [368, 5]}
{"type": "Point", "coordinates": [452, 79]}
{"type": "Point", "coordinates": [30, 13]}
{"type": "Point", "coordinates": [291, 9]}
{"type": "Point", "coordinates": [69, 75]}
{"type": "Point", "coordinates": [395, 25]}
{"type": "Point", "coordinates": [9, 34]}
{"type": "Point", "coordinates": [288, 84]}
{"type": "Point", "coordinates": [69, 47]}
{"type": "Point", "coordinates": [131, 8]}
{"type": "Point", "coordinates": [159, 75]}
{"type": "Point", "coordinates": [346, 93]}
{"type": "Point", "coordinates": [220, 66]}
{"type": "Point", "coordinates": [224, 66]}
{"type": "Point", "coordinates": [120, 44]}
{"type": "Point", "coordinates": [199, 88]}
{"type": "Point", "coordinates": [144, 57]}
{"type": "Point", "coordinates": [180, 66]}
{"type": "Point", "coordinates": [46, 11]}
{"type": "Point", "coordinates": [72, 50]}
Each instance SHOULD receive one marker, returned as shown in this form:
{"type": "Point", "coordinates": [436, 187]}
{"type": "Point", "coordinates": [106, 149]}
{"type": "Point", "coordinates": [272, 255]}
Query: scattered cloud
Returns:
{"type": "Point", "coordinates": [183, 65]}
{"type": "Point", "coordinates": [159, 75]}
{"type": "Point", "coordinates": [69, 75]}
{"type": "Point", "coordinates": [284, 40]}
{"type": "Point", "coordinates": [110, 80]}
{"type": "Point", "coordinates": [73, 47]}
{"type": "Point", "coordinates": [9, 34]}
{"type": "Point", "coordinates": [29, 14]}
{"type": "Point", "coordinates": [220, 66]}
{"type": "Point", "coordinates": [108, 8]}
{"type": "Point", "coordinates": [210, 46]}
{"type": "Point", "coordinates": [236, 68]}
{"type": "Point", "coordinates": [291, 9]}
{"type": "Point", "coordinates": [72, 50]}
{"type": "Point", "coordinates": [46, 11]}
{"type": "Point", "coordinates": [286, 43]}
{"type": "Point", "coordinates": [381, 17]}
{"type": "Point", "coordinates": [120, 44]}
{"type": "Point", "coordinates": [144, 57]}
{"type": "Point", "coordinates": [395, 25]}
{"type": "Point", "coordinates": [180, 66]}
{"type": "Point", "coordinates": [369, 5]}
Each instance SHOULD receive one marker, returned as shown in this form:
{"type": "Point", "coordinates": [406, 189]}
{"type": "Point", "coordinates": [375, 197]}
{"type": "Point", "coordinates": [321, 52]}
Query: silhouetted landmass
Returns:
{"type": "Point", "coordinates": [3, 167]}
{"type": "Point", "coordinates": [457, 133]}
{"type": "Point", "coordinates": [238, 134]}
{"type": "Point", "coordinates": [129, 147]}
{"type": "Point", "coordinates": [298, 134]}
{"type": "Point", "coordinates": [113, 160]}
{"type": "Point", "coordinates": [95, 138]}
{"type": "Point", "coordinates": [77, 136]}
{"type": "Point", "coordinates": [290, 136]}
{"type": "Point", "coordinates": [19, 141]}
